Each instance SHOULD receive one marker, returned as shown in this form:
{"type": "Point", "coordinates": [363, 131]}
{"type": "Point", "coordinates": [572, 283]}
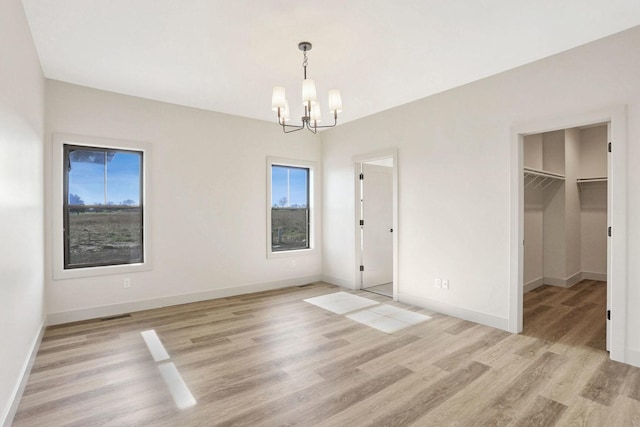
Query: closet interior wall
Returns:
{"type": "Point", "coordinates": [565, 219]}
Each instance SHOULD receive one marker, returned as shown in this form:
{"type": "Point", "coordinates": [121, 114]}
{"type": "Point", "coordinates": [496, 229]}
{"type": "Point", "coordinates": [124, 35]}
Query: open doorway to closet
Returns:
{"type": "Point", "coordinates": [376, 207]}
{"type": "Point", "coordinates": [616, 288]}
{"type": "Point", "coordinates": [565, 235]}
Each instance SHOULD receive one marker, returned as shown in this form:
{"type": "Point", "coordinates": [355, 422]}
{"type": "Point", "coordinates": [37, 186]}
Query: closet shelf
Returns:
{"type": "Point", "coordinates": [535, 178]}
{"type": "Point", "coordinates": [581, 181]}
{"type": "Point", "coordinates": [596, 179]}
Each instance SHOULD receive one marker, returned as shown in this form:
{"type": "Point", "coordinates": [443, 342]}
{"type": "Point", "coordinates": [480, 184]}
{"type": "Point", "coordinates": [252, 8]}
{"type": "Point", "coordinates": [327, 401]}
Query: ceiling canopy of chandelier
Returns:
{"type": "Point", "coordinates": [310, 102]}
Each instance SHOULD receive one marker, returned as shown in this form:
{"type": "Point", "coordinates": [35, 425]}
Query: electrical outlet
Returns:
{"type": "Point", "coordinates": [438, 283]}
{"type": "Point", "coordinates": [126, 283]}
{"type": "Point", "coordinates": [445, 284]}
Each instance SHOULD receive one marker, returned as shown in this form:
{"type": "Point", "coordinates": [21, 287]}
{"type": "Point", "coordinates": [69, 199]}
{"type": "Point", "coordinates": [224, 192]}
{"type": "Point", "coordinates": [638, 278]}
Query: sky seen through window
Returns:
{"type": "Point", "coordinates": [289, 186]}
{"type": "Point", "coordinates": [93, 183]}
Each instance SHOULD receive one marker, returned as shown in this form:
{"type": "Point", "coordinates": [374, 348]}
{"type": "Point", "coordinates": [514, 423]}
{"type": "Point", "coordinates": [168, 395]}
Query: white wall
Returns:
{"type": "Point", "coordinates": [533, 216]}
{"type": "Point", "coordinates": [454, 175]}
{"type": "Point", "coordinates": [593, 152]}
{"type": "Point", "coordinates": [593, 199]}
{"type": "Point", "coordinates": [554, 224]}
{"type": "Point", "coordinates": [533, 237]}
{"type": "Point", "coordinates": [572, 214]}
{"type": "Point", "coordinates": [553, 152]}
{"type": "Point", "coordinates": [208, 207]}
{"type": "Point", "coordinates": [532, 151]}
{"type": "Point", "coordinates": [21, 201]}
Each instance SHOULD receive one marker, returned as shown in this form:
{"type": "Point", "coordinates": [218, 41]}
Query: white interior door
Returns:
{"type": "Point", "coordinates": [377, 228]}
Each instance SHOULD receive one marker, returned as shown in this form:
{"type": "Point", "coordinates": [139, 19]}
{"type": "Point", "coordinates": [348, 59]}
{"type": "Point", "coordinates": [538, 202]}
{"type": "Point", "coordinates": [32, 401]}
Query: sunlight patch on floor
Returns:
{"type": "Point", "coordinates": [341, 302]}
{"type": "Point", "coordinates": [177, 387]}
{"type": "Point", "coordinates": [383, 317]}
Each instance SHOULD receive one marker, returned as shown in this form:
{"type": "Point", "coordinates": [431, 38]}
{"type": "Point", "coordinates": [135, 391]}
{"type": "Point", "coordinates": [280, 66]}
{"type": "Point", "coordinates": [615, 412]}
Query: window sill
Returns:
{"type": "Point", "coordinates": [76, 273]}
{"type": "Point", "coordinates": [291, 253]}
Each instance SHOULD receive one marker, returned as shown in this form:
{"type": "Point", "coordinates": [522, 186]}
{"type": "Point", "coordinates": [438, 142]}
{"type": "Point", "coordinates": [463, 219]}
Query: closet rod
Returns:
{"type": "Point", "coordinates": [581, 181]}
{"type": "Point", "coordinates": [594, 179]}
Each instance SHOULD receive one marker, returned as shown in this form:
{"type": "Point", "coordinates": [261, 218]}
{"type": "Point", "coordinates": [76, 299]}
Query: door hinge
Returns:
{"type": "Point", "coordinates": [361, 176]}
{"type": "Point", "coordinates": [362, 222]}
{"type": "Point", "coordinates": [608, 314]}
{"type": "Point", "coordinates": [609, 231]}
{"type": "Point", "coordinates": [362, 268]}
{"type": "Point", "coordinates": [609, 147]}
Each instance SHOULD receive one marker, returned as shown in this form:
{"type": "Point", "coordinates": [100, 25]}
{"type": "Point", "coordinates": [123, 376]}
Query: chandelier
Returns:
{"type": "Point", "coordinates": [312, 114]}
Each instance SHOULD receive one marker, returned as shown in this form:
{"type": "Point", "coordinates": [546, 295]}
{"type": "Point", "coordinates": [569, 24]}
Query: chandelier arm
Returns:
{"type": "Point", "coordinates": [283, 123]}
{"type": "Point", "coordinates": [335, 122]}
{"type": "Point", "coordinates": [295, 128]}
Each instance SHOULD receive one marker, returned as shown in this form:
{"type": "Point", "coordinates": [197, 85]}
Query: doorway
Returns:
{"type": "Point", "coordinates": [565, 235]}
{"type": "Point", "coordinates": [616, 309]}
{"type": "Point", "coordinates": [376, 241]}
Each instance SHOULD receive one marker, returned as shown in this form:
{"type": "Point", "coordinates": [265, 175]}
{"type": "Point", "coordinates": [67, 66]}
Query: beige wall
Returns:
{"type": "Point", "coordinates": [572, 214]}
{"type": "Point", "coordinates": [593, 152]}
{"type": "Point", "coordinates": [553, 152]}
{"type": "Point", "coordinates": [554, 202]}
{"type": "Point", "coordinates": [454, 175]}
{"type": "Point", "coordinates": [593, 199]}
{"type": "Point", "coordinates": [208, 207]}
{"type": "Point", "coordinates": [21, 201]}
{"type": "Point", "coordinates": [532, 151]}
{"type": "Point", "coordinates": [533, 215]}
{"type": "Point", "coordinates": [533, 237]}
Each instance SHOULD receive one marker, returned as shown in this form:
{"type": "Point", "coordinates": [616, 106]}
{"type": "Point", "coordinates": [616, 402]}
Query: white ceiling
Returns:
{"type": "Point", "coordinates": [226, 56]}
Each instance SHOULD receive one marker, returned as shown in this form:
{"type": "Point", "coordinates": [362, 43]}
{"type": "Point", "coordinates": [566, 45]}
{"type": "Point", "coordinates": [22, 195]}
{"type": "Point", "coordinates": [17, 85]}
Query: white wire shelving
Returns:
{"type": "Point", "coordinates": [582, 181]}
{"type": "Point", "coordinates": [537, 179]}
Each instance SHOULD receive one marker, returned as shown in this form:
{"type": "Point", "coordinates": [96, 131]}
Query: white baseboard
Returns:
{"type": "Point", "coordinates": [528, 287]}
{"type": "Point", "coordinates": [572, 280]}
{"type": "Point", "coordinates": [129, 307]}
{"type": "Point", "coordinates": [576, 278]}
{"type": "Point", "coordinates": [554, 281]}
{"type": "Point", "coordinates": [7, 418]}
{"type": "Point", "coordinates": [339, 282]}
{"type": "Point", "coordinates": [451, 310]}
{"type": "Point", "coordinates": [589, 275]}
{"type": "Point", "coordinates": [562, 283]}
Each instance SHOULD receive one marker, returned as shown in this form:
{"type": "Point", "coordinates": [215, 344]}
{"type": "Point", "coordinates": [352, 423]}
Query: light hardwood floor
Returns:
{"type": "Point", "coordinates": [271, 359]}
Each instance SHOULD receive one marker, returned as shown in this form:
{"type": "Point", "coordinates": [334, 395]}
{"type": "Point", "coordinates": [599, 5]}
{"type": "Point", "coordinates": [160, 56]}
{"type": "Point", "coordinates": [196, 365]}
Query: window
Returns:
{"type": "Point", "coordinates": [290, 206]}
{"type": "Point", "coordinates": [104, 178]}
{"type": "Point", "coordinates": [102, 206]}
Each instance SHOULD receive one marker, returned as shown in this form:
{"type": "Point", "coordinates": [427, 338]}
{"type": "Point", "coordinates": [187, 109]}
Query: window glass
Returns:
{"type": "Point", "coordinates": [103, 207]}
{"type": "Point", "coordinates": [289, 208]}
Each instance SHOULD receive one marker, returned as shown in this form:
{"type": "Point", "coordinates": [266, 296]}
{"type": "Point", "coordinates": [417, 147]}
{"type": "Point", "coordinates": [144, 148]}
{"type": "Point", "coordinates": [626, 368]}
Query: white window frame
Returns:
{"type": "Point", "coordinates": [313, 194]}
{"type": "Point", "coordinates": [57, 214]}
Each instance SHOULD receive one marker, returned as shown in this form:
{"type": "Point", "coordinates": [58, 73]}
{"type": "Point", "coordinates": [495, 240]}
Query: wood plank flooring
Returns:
{"type": "Point", "coordinates": [271, 359]}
